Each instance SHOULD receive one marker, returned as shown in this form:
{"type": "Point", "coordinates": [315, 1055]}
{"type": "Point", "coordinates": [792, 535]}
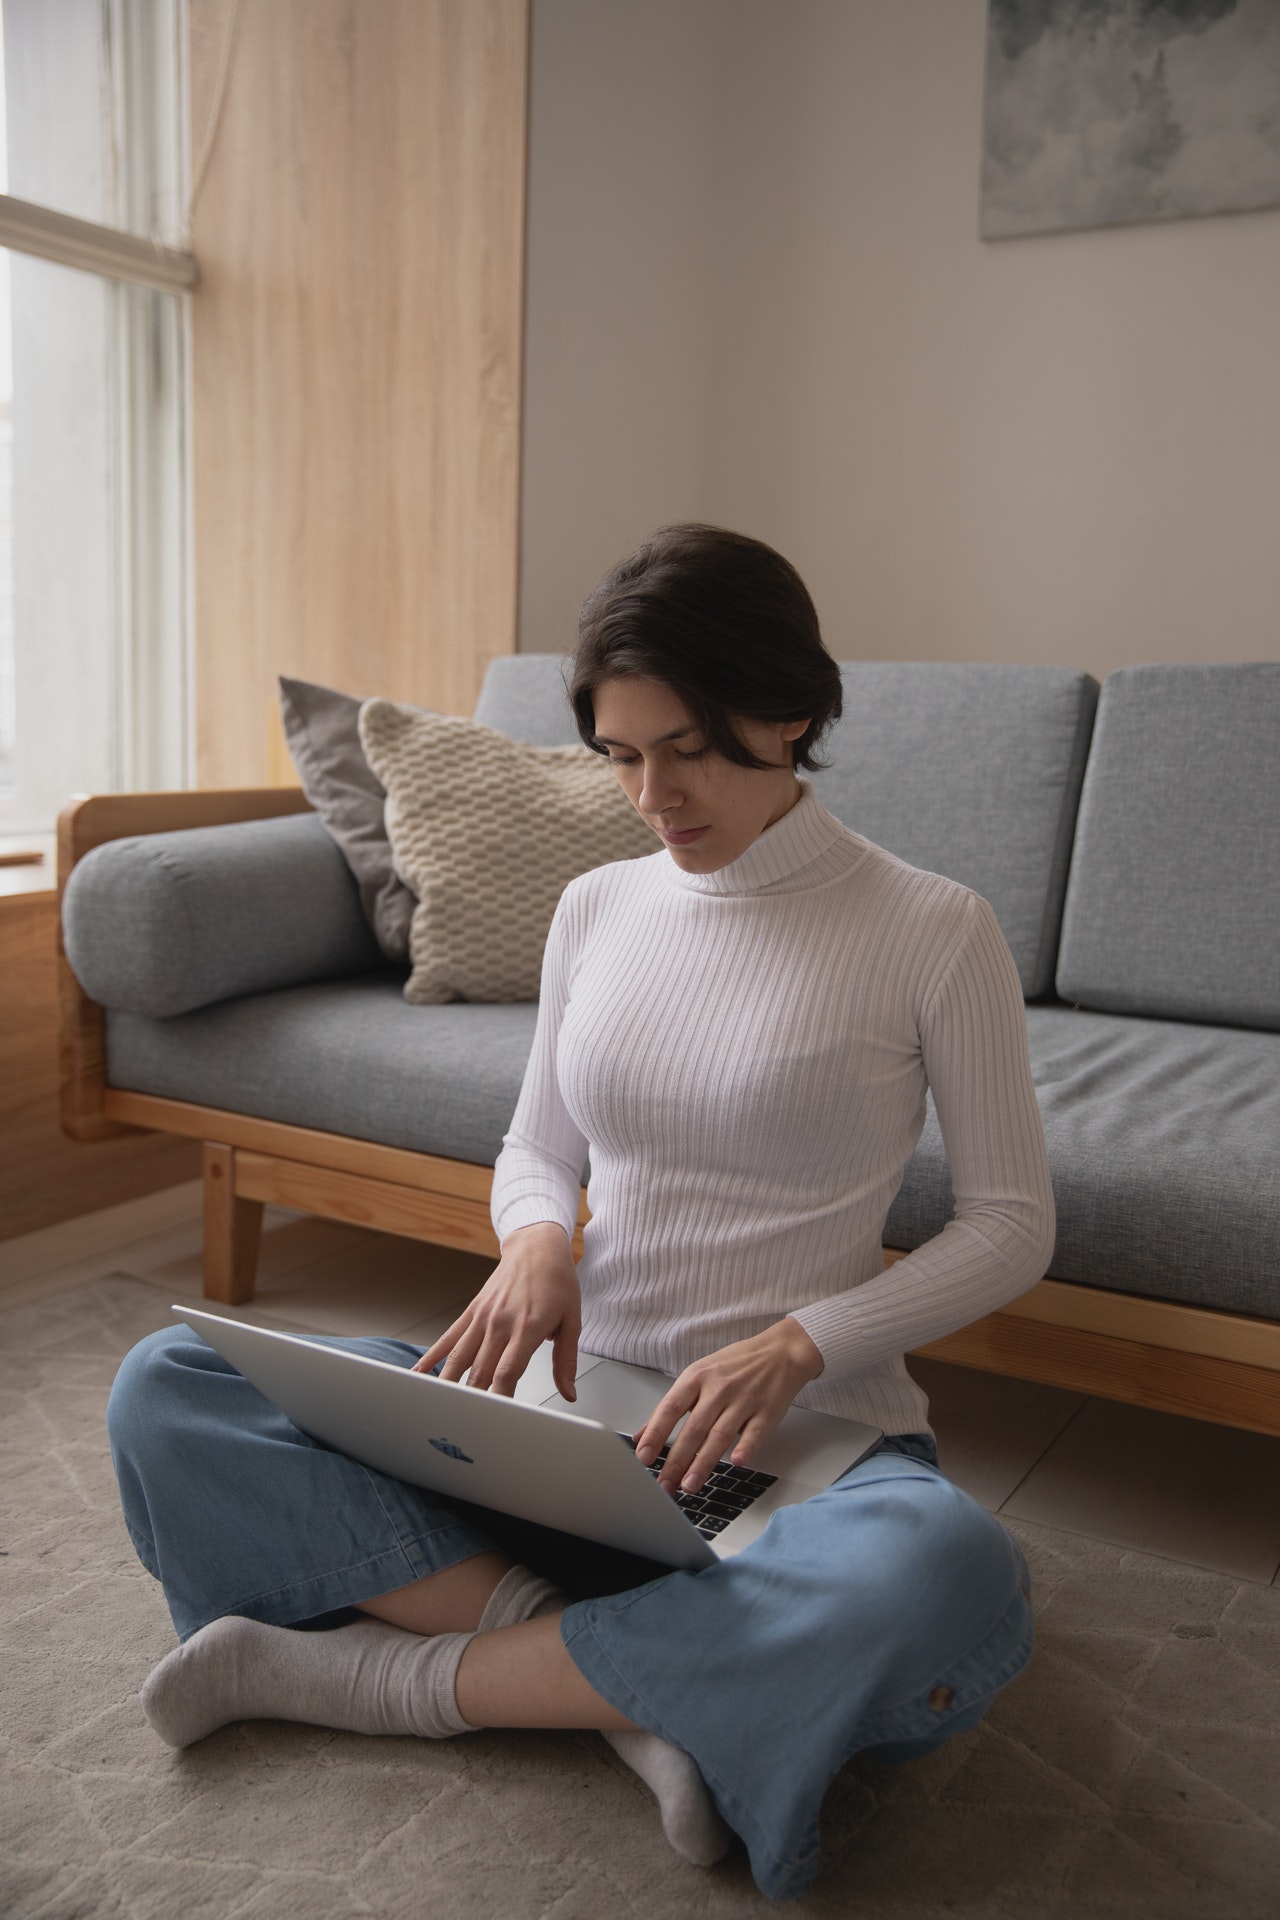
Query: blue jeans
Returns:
{"type": "Point", "coordinates": [883, 1615]}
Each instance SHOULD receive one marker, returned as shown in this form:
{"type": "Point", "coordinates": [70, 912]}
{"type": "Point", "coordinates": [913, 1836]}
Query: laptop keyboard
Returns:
{"type": "Point", "coordinates": [726, 1493]}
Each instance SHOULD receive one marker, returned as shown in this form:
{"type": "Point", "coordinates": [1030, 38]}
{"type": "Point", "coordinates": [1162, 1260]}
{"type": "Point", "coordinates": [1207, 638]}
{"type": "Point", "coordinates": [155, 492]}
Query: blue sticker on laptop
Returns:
{"type": "Point", "coordinates": [454, 1453]}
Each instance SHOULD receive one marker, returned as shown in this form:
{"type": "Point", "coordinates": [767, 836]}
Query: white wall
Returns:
{"type": "Point", "coordinates": [756, 295]}
{"type": "Point", "coordinates": [621, 274]}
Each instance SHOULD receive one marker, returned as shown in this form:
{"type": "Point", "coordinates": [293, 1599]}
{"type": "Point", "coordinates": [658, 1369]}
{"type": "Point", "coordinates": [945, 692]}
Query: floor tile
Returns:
{"type": "Point", "coordinates": [991, 1430]}
{"type": "Point", "coordinates": [372, 1283]}
{"type": "Point", "coordinates": [1190, 1491]}
{"type": "Point", "coordinates": [170, 1261]}
{"type": "Point", "coordinates": [289, 1242]}
{"type": "Point", "coordinates": [77, 1250]}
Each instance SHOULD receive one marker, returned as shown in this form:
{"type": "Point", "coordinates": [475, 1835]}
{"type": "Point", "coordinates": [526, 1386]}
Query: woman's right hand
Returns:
{"type": "Point", "coordinates": [532, 1295]}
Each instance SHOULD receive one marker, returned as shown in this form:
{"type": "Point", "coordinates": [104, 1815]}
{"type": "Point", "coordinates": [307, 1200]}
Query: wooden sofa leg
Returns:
{"type": "Point", "coordinates": [232, 1230]}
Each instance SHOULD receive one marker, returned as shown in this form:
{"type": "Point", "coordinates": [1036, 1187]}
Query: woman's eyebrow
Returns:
{"type": "Point", "coordinates": [679, 734]}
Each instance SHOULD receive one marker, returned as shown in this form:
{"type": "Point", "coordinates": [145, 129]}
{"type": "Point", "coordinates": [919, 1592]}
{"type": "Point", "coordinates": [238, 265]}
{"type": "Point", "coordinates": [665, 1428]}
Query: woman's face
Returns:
{"type": "Point", "coordinates": [706, 810]}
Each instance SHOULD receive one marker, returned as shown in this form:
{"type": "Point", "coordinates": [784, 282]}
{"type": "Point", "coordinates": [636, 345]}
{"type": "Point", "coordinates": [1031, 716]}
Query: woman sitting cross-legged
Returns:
{"type": "Point", "coordinates": [740, 1030]}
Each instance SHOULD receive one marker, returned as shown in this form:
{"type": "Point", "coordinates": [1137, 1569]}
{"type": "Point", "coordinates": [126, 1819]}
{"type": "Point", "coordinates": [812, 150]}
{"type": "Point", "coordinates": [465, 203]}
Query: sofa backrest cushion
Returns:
{"type": "Point", "coordinates": [1173, 904]}
{"type": "Point", "coordinates": [968, 770]}
{"type": "Point", "coordinates": [524, 697]}
{"type": "Point", "coordinates": [162, 923]}
{"type": "Point", "coordinates": [972, 771]}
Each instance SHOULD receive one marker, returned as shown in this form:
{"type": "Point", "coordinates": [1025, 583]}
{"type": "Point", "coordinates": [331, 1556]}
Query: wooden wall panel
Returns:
{"type": "Point", "coordinates": [44, 1177]}
{"type": "Point", "coordinates": [356, 354]}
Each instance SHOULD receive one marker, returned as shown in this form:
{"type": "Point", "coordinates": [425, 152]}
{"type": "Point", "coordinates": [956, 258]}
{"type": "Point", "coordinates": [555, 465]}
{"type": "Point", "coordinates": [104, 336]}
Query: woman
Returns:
{"type": "Point", "coordinates": [741, 1031]}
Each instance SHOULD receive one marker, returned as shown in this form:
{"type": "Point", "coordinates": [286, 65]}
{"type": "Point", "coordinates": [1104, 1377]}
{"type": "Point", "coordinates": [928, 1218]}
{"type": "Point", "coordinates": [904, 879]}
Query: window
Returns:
{"type": "Point", "coordinates": [93, 673]}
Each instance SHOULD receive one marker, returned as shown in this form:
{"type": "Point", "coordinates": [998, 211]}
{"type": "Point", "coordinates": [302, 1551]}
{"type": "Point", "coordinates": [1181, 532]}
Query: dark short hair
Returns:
{"type": "Point", "coordinates": [722, 620]}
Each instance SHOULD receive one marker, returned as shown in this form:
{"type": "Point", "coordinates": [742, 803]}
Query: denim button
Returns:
{"type": "Point", "coordinates": [940, 1699]}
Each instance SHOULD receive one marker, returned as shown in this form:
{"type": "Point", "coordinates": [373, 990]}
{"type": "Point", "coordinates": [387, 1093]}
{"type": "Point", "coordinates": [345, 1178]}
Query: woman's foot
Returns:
{"type": "Point", "coordinates": [365, 1678]}
{"type": "Point", "coordinates": [369, 1677]}
{"type": "Point", "coordinates": [689, 1817]}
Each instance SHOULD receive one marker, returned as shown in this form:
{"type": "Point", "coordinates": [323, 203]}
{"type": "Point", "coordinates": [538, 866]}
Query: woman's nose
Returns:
{"type": "Point", "coordinates": [659, 790]}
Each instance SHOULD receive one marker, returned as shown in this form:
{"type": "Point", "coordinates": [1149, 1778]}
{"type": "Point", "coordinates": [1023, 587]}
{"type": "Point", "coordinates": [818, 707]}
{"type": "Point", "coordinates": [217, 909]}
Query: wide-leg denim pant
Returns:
{"type": "Point", "coordinates": [882, 1615]}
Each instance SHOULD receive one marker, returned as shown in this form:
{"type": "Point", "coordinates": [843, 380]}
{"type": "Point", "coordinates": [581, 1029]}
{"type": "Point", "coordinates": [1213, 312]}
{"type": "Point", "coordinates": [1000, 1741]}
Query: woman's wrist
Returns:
{"type": "Point", "coordinates": [549, 1232]}
{"type": "Point", "coordinates": [800, 1347]}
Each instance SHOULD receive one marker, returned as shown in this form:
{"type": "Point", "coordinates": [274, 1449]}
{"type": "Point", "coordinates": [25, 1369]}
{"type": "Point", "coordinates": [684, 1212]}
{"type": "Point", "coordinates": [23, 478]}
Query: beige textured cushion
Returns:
{"type": "Point", "coordinates": [488, 833]}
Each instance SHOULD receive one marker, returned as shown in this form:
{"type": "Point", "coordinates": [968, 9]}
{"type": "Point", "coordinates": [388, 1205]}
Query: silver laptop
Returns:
{"type": "Point", "coordinates": [566, 1465]}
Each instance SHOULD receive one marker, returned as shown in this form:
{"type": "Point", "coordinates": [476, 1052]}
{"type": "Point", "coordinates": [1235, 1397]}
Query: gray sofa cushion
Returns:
{"type": "Point", "coordinates": [1003, 749]}
{"type": "Point", "coordinates": [1173, 906]}
{"type": "Point", "coordinates": [974, 772]}
{"type": "Point", "coordinates": [1160, 1134]}
{"type": "Point", "coordinates": [322, 727]}
{"type": "Point", "coordinates": [971, 772]}
{"type": "Point", "coordinates": [1161, 1141]}
{"type": "Point", "coordinates": [524, 696]}
{"type": "Point", "coordinates": [165, 922]}
{"type": "Point", "coordinates": [349, 1057]}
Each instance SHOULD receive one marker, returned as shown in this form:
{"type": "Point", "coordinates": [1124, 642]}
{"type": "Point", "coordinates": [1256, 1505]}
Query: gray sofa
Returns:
{"type": "Point", "coordinates": [1128, 838]}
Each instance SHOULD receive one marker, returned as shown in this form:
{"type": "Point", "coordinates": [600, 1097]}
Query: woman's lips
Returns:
{"type": "Point", "coordinates": [685, 839]}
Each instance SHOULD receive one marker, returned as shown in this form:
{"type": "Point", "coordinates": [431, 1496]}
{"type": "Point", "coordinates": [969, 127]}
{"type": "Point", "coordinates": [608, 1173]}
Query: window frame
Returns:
{"type": "Point", "coordinates": [146, 467]}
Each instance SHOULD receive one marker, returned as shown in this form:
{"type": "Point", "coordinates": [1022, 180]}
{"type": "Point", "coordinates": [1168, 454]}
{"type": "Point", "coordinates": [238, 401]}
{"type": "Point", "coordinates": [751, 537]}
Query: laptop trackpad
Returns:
{"type": "Point", "coordinates": [622, 1397]}
{"type": "Point", "coordinates": [815, 1448]}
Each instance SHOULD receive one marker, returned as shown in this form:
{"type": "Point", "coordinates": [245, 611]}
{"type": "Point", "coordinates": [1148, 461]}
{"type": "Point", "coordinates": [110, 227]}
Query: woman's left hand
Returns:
{"type": "Point", "coordinates": [739, 1392]}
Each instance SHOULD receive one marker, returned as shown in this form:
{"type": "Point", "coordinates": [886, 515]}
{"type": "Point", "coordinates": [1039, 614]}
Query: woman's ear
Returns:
{"type": "Point", "coordinates": [789, 731]}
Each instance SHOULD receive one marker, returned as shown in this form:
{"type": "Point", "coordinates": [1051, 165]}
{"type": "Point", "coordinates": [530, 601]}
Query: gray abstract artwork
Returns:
{"type": "Point", "coordinates": [1104, 112]}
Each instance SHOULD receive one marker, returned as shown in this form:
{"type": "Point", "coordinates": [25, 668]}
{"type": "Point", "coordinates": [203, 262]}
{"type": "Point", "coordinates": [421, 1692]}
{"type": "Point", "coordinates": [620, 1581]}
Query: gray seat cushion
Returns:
{"type": "Point", "coordinates": [1162, 1143]}
{"type": "Point", "coordinates": [974, 772]}
{"type": "Point", "coordinates": [164, 922]}
{"type": "Point", "coordinates": [1173, 906]}
{"type": "Point", "coordinates": [1161, 1135]}
{"type": "Point", "coordinates": [348, 1057]}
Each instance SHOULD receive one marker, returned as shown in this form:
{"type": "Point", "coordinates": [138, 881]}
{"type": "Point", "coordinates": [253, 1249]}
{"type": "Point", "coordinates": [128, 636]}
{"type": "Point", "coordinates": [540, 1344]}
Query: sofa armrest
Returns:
{"type": "Point", "coordinates": [93, 822]}
{"type": "Point", "coordinates": [163, 923]}
{"type": "Point", "coordinates": [90, 819]}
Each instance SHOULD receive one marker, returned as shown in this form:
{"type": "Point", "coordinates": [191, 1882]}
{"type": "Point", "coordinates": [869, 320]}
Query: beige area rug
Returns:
{"type": "Point", "coordinates": [1133, 1771]}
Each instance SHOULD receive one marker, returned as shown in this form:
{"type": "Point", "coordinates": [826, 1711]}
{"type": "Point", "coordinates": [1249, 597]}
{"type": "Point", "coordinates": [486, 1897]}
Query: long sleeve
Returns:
{"type": "Point", "coordinates": [538, 1174]}
{"type": "Point", "coordinates": [974, 1048]}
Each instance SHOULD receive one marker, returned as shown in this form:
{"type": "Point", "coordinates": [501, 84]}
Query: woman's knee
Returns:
{"type": "Point", "coordinates": [979, 1549]}
{"type": "Point", "coordinates": [968, 1630]}
{"type": "Point", "coordinates": [139, 1433]}
{"type": "Point", "coordinates": [941, 1566]}
{"type": "Point", "coordinates": [952, 1620]}
{"type": "Point", "coordinates": [970, 1563]}
{"type": "Point", "coordinates": [146, 1381]}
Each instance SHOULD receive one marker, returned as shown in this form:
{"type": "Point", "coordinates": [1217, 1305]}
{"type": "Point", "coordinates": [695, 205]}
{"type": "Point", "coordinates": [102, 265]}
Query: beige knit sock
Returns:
{"type": "Point", "coordinates": [689, 1817]}
{"type": "Point", "coordinates": [369, 1677]}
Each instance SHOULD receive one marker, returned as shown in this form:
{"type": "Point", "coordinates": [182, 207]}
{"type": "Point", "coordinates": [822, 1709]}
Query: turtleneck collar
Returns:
{"type": "Point", "coordinates": [781, 852]}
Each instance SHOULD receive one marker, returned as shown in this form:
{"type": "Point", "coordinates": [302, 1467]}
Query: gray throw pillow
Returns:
{"type": "Point", "coordinates": [321, 726]}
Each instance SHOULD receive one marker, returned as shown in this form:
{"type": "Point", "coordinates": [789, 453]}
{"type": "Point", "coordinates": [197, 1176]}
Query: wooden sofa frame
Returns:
{"type": "Point", "coordinates": [1149, 1353]}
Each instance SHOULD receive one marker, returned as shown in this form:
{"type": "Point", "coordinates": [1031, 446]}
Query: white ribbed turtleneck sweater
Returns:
{"type": "Point", "coordinates": [745, 1054]}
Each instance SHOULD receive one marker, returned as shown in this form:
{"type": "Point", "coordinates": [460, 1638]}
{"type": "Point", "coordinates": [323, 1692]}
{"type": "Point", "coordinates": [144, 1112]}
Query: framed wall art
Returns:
{"type": "Point", "coordinates": [1100, 113]}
